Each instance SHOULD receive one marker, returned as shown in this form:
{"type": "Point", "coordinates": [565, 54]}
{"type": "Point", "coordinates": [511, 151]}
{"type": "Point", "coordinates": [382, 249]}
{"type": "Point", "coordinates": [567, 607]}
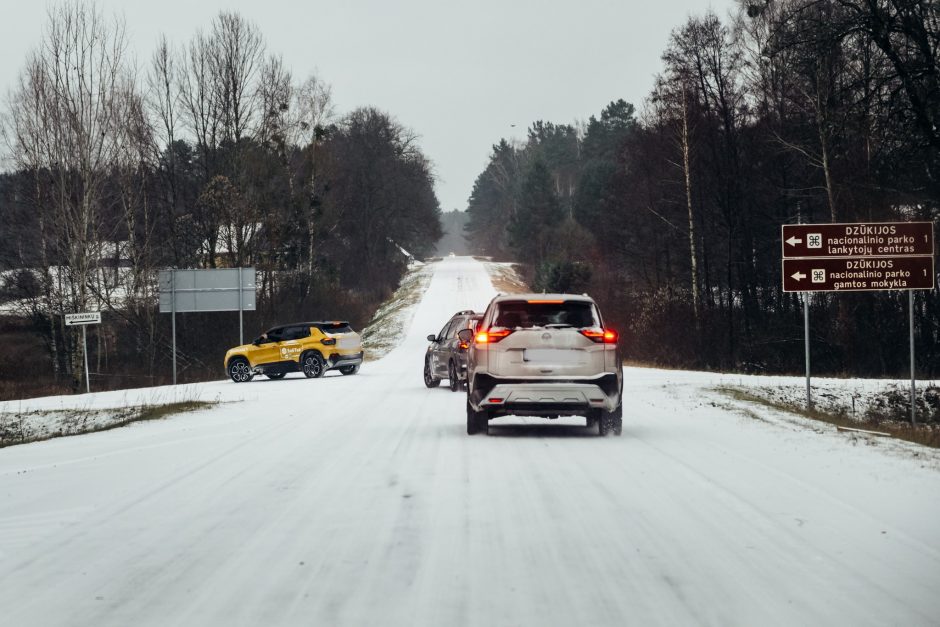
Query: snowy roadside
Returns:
{"type": "Point", "coordinates": [22, 427]}
{"type": "Point", "coordinates": [861, 400]}
{"type": "Point", "coordinates": [777, 401]}
{"type": "Point", "coordinates": [35, 419]}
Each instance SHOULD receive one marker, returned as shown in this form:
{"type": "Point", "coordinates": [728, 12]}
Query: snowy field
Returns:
{"type": "Point", "coordinates": [361, 501]}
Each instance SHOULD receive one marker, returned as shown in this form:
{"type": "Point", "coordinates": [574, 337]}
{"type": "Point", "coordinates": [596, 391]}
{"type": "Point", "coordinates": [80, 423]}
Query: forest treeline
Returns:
{"type": "Point", "coordinates": [786, 111]}
{"type": "Point", "coordinates": [209, 154]}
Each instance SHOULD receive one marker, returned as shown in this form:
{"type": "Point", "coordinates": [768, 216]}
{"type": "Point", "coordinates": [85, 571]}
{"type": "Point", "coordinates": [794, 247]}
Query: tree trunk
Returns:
{"type": "Point", "coordinates": [688, 199]}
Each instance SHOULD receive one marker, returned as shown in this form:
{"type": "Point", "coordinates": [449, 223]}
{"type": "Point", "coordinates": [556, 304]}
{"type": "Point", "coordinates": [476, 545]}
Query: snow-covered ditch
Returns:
{"type": "Point", "coordinates": [38, 419]}
{"type": "Point", "coordinates": [33, 426]}
{"type": "Point", "coordinates": [869, 401]}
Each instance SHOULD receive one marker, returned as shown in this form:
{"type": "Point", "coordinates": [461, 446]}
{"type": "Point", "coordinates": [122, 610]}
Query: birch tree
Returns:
{"type": "Point", "coordinates": [67, 124]}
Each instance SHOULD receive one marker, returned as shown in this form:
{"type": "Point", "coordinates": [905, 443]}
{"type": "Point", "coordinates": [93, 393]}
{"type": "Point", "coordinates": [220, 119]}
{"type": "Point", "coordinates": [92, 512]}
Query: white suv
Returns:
{"type": "Point", "coordinates": [545, 355]}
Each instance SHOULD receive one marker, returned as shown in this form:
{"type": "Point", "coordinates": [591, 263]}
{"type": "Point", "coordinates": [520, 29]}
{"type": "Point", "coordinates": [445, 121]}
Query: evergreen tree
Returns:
{"type": "Point", "coordinates": [531, 228]}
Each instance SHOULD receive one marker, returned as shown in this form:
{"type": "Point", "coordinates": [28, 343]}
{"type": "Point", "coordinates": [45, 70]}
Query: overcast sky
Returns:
{"type": "Point", "coordinates": [460, 74]}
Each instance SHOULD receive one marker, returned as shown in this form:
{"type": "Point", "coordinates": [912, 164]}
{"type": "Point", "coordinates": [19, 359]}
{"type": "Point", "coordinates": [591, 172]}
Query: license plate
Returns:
{"type": "Point", "coordinates": [553, 356]}
{"type": "Point", "coordinates": [348, 342]}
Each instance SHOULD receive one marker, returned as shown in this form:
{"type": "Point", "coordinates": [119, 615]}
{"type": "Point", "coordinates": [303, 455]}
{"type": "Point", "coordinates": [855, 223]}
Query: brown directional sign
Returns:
{"type": "Point", "coordinates": [873, 239]}
{"type": "Point", "coordinates": [858, 274]}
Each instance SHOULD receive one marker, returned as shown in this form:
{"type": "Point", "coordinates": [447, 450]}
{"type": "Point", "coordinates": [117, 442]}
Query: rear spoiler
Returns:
{"type": "Point", "coordinates": [327, 326]}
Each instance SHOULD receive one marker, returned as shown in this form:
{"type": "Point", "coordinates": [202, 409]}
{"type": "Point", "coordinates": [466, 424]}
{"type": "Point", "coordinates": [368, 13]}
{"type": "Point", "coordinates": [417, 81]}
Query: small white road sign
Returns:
{"type": "Point", "coordinates": [88, 317]}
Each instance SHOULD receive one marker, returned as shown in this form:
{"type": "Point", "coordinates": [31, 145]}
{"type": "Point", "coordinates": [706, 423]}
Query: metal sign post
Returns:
{"type": "Point", "coordinates": [173, 296]}
{"type": "Point", "coordinates": [809, 396]}
{"type": "Point", "coordinates": [910, 308]}
{"type": "Point", "coordinates": [859, 257]}
{"type": "Point", "coordinates": [225, 289]}
{"type": "Point", "coordinates": [83, 320]}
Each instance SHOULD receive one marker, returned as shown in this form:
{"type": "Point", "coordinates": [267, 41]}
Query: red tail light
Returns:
{"type": "Point", "coordinates": [492, 336]}
{"type": "Point", "coordinates": [600, 336]}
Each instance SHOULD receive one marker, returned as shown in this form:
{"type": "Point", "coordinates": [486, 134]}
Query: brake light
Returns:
{"type": "Point", "coordinates": [600, 336]}
{"type": "Point", "coordinates": [492, 336]}
{"type": "Point", "coordinates": [545, 302]}
{"type": "Point", "coordinates": [330, 341]}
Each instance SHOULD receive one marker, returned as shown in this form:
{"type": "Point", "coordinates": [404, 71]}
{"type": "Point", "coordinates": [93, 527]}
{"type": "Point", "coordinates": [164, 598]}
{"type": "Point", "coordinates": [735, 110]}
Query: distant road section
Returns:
{"type": "Point", "coordinates": [453, 240]}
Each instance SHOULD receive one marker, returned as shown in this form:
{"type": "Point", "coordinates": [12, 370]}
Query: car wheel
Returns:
{"type": "Point", "coordinates": [477, 421]}
{"type": "Point", "coordinates": [429, 379]}
{"type": "Point", "coordinates": [452, 379]}
{"type": "Point", "coordinates": [275, 375]}
{"type": "Point", "coordinates": [312, 366]}
{"type": "Point", "coordinates": [610, 423]}
{"type": "Point", "coordinates": [349, 369]}
{"type": "Point", "coordinates": [618, 420]}
{"type": "Point", "coordinates": [239, 370]}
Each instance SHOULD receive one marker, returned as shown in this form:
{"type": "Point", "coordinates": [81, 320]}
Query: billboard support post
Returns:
{"type": "Point", "coordinates": [809, 397]}
{"type": "Point", "coordinates": [910, 307]}
{"type": "Point", "coordinates": [173, 316]}
{"type": "Point", "coordinates": [219, 289]}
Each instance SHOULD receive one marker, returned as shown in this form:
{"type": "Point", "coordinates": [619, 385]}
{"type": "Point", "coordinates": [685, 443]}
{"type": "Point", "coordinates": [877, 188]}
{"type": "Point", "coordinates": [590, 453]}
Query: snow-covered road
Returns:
{"type": "Point", "coordinates": [361, 501]}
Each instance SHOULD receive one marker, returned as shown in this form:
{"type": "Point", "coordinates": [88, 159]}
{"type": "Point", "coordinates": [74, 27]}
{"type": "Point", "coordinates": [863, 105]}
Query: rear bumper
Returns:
{"type": "Point", "coordinates": [545, 399]}
{"type": "Point", "coordinates": [337, 360]}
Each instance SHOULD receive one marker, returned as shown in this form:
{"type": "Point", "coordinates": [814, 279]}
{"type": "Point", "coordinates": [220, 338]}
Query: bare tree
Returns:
{"type": "Point", "coordinates": [274, 95]}
{"type": "Point", "coordinates": [164, 103]}
{"type": "Point", "coordinates": [237, 54]}
{"type": "Point", "coordinates": [313, 111]}
{"type": "Point", "coordinates": [67, 120]}
{"type": "Point", "coordinates": [201, 107]}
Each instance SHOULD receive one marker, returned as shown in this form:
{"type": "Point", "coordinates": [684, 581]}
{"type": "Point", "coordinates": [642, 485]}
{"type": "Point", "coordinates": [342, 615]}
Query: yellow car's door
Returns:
{"type": "Point", "coordinates": [268, 349]}
{"type": "Point", "coordinates": [291, 344]}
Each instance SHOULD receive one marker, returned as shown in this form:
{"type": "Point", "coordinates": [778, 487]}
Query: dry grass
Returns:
{"type": "Point", "coordinates": [925, 434]}
{"type": "Point", "coordinates": [506, 279]}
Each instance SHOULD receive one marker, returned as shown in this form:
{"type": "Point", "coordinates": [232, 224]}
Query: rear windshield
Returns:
{"type": "Point", "coordinates": [528, 314]}
{"type": "Point", "coordinates": [335, 327]}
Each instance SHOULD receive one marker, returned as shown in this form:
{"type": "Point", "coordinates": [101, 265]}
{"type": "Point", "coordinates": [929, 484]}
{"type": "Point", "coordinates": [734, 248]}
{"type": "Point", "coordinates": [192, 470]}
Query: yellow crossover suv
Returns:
{"type": "Point", "coordinates": [310, 347]}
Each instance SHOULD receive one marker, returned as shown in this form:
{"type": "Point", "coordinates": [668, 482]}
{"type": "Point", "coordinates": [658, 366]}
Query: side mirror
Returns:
{"type": "Point", "coordinates": [465, 335]}
{"type": "Point", "coordinates": [432, 338]}
{"type": "Point", "coordinates": [256, 341]}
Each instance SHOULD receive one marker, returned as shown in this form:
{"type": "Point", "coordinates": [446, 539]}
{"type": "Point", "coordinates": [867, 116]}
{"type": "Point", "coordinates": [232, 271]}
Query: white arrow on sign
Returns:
{"type": "Point", "coordinates": [794, 240]}
{"type": "Point", "coordinates": [798, 276]}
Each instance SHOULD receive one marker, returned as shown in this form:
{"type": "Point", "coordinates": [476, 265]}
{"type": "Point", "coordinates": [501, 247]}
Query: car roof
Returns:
{"type": "Point", "coordinates": [583, 298]}
{"type": "Point", "coordinates": [316, 323]}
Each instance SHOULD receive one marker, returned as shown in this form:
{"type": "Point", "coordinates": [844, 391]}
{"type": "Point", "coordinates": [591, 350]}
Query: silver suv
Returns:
{"type": "Point", "coordinates": [545, 355]}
